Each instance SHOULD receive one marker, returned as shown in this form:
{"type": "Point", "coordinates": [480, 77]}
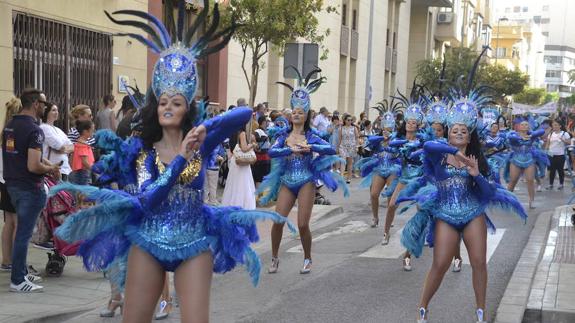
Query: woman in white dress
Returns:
{"type": "Point", "coordinates": [240, 188]}
{"type": "Point", "coordinates": [57, 146]}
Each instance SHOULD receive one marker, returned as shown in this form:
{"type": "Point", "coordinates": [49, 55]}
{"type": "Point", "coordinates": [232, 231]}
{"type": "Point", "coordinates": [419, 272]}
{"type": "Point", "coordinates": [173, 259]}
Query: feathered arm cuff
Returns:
{"type": "Point", "coordinates": [279, 149]}
{"type": "Point", "coordinates": [486, 189]}
{"type": "Point", "coordinates": [221, 127]}
{"type": "Point", "coordinates": [320, 146]}
{"type": "Point", "coordinates": [537, 133]}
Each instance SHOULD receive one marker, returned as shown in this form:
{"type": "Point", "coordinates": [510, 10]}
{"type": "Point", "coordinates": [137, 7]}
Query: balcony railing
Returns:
{"type": "Point", "coordinates": [344, 41]}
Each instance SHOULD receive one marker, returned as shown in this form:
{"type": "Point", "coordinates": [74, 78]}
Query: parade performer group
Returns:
{"type": "Point", "coordinates": [157, 222]}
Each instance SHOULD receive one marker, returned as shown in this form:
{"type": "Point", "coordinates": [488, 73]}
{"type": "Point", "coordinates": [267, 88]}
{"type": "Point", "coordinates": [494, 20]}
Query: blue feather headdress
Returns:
{"type": "Point", "coordinates": [387, 112]}
{"type": "Point", "coordinates": [437, 112]}
{"type": "Point", "coordinates": [175, 71]}
{"type": "Point", "coordinates": [415, 104]}
{"type": "Point", "coordinates": [468, 102]}
{"type": "Point", "coordinates": [300, 96]}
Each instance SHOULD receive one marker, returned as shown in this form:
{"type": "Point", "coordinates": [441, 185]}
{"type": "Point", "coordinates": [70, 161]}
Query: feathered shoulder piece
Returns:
{"type": "Point", "coordinates": [300, 96]}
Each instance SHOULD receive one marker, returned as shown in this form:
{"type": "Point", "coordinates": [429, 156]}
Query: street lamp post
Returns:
{"type": "Point", "coordinates": [497, 40]}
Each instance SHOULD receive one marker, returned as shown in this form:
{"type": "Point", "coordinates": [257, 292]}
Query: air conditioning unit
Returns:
{"type": "Point", "coordinates": [444, 17]}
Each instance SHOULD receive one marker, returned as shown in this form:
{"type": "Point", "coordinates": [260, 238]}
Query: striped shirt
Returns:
{"type": "Point", "coordinates": [73, 135]}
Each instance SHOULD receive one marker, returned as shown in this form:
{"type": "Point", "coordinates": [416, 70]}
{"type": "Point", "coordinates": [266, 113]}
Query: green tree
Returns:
{"type": "Point", "coordinates": [459, 62]}
{"type": "Point", "coordinates": [551, 97]}
{"type": "Point", "coordinates": [272, 23]}
{"type": "Point", "coordinates": [531, 96]}
{"type": "Point", "coordinates": [571, 76]}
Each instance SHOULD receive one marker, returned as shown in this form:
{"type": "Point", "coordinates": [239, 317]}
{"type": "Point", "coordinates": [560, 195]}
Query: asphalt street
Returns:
{"type": "Point", "coordinates": [355, 279]}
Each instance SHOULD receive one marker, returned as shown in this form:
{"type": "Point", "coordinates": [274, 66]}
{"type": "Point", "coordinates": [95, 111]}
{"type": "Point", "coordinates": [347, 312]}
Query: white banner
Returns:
{"type": "Point", "coordinates": [519, 108]}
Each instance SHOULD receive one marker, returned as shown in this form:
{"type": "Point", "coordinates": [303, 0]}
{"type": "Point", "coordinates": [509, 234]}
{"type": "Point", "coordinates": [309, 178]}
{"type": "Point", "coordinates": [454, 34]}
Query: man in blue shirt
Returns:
{"type": "Point", "coordinates": [24, 170]}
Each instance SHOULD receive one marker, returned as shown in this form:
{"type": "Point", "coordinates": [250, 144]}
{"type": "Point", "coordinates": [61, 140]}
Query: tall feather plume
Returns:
{"type": "Point", "coordinates": [138, 24]}
{"type": "Point", "coordinates": [286, 85]}
{"type": "Point", "coordinates": [199, 20]}
{"type": "Point", "coordinates": [207, 37]}
{"type": "Point", "coordinates": [170, 20]}
{"type": "Point", "coordinates": [474, 69]}
{"type": "Point", "coordinates": [310, 74]}
{"type": "Point", "coordinates": [442, 74]}
{"type": "Point", "coordinates": [227, 36]}
{"type": "Point", "coordinates": [181, 17]}
{"type": "Point", "coordinates": [299, 77]}
{"type": "Point", "coordinates": [164, 34]}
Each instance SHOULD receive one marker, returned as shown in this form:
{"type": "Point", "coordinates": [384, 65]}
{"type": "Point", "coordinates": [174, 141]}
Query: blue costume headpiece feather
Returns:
{"type": "Point", "coordinates": [300, 96]}
{"type": "Point", "coordinates": [175, 71]}
{"type": "Point", "coordinates": [468, 102]}
{"type": "Point", "coordinates": [437, 112]}
{"type": "Point", "coordinates": [387, 112]}
{"type": "Point", "coordinates": [415, 105]}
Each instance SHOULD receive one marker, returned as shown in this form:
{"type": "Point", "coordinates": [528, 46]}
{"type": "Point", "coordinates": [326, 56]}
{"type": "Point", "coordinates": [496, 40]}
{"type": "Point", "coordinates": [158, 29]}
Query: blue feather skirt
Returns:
{"type": "Point", "coordinates": [421, 226]}
{"type": "Point", "coordinates": [117, 221]}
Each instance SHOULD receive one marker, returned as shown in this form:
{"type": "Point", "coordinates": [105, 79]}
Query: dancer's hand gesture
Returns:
{"type": "Point", "coordinates": [472, 166]}
{"type": "Point", "coordinates": [192, 142]}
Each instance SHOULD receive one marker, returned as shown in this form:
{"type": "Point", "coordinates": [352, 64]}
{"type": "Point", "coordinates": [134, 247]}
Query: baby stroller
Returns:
{"type": "Point", "coordinates": [58, 208]}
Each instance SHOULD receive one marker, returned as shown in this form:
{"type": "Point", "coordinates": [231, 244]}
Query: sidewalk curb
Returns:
{"type": "Point", "coordinates": [514, 302]}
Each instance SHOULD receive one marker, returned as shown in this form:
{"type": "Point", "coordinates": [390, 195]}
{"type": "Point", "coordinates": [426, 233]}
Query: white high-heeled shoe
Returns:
{"type": "Point", "coordinates": [113, 305]}
{"type": "Point", "coordinates": [479, 314]}
{"type": "Point", "coordinates": [164, 309]}
{"type": "Point", "coordinates": [385, 240]}
{"type": "Point", "coordinates": [422, 315]}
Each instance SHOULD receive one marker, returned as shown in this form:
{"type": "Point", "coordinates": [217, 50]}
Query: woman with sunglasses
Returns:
{"type": "Point", "coordinates": [348, 143]}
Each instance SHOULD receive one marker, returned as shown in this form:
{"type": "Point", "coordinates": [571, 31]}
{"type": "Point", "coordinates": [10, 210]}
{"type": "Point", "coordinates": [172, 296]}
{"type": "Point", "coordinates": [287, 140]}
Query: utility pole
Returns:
{"type": "Point", "coordinates": [369, 49]}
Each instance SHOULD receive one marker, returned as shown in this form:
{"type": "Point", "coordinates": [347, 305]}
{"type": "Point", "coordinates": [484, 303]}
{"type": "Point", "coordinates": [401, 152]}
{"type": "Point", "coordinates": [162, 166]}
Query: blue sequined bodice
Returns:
{"type": "Point", "coordinates": [297, 170]}
{"type": "Point", "coordinates": [456, 202]}
{"type": "Point", "coordinates": [177, 222]}
{"type": "Point", "coordinates": [522, 154]}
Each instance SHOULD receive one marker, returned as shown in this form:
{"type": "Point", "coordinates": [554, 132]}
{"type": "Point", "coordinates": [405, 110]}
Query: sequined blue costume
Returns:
{"type": "Point", "coordinates": [525, 152]}
{"type": "Point", "coordinates": [496, 154]}
{"type": "Point", "coordinates": [164, 212]}
{"type": "Point", "coordinates": [385, 161]}
{"type": "Point", "coordinates": [295, 170]}
{"type": "Point", "coordinates": [453, 196]}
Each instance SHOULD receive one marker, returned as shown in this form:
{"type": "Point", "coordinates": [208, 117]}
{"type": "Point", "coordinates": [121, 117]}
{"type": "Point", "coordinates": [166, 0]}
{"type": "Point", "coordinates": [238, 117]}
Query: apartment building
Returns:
{"type": "Point", "coordinates": [555, 21]}
{"type": "Point", "coordinates": [437, 26]}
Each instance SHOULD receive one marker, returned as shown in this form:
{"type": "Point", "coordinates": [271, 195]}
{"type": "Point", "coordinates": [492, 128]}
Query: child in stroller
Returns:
{"type": "Point", "coordinates": [58, 208]}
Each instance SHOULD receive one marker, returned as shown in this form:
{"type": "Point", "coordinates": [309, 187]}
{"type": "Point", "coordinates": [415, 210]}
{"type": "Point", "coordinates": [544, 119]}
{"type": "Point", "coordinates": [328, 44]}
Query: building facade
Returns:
{"type": "Point", "coordinates": [520, 46]}
{"type": "Point", "coordinates": [67, 49]}
{"type": "Point", "coordinates": [554, 19]}
{"type": "Point", "coordinates": [349, 88]}
{"type": "Point", "coordinates": [437, 26]}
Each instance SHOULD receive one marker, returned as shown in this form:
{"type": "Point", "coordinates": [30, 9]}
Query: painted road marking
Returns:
{"type": "Point", "coordinates": [348, 227]}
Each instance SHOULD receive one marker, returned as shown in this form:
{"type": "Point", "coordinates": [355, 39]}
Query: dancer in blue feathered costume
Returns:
{"type": "Point", "coordinates": [455, 204]}
{"type": "Point", "coordinates": [296, 171]}
{"type": "Point", "coordinates": [383, 168]}
{"type": "Point", "coordinates": [525, 157]}
{"type": "Point", "coordinates": [494, 143]}
{"type": "Point", "coordinates": [159, 221]}
{"type": "Point", "coordinates": [411, 164]}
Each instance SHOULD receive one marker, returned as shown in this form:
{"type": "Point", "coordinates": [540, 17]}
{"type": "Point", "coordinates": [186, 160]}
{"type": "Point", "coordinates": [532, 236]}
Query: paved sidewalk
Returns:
{"type": "Point", "coordinates": [78, 296]}
{"type": "Point", "coordinates": [542, 287]}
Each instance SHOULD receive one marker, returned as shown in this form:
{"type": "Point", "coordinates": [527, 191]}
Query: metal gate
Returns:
{"type": "Point", "coordinates": [71, 65]}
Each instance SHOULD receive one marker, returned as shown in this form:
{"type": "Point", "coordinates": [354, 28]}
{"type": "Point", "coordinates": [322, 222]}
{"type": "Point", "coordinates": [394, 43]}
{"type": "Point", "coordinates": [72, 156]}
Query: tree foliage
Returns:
{"type": "Point", "coordinates": [459, 62]}
{"type": "Point", "coordinates": [531, 96]}
{"type": "Point", "coordinates": [272, 23]}
{"type": "Point", "coordinates": [571, 76]}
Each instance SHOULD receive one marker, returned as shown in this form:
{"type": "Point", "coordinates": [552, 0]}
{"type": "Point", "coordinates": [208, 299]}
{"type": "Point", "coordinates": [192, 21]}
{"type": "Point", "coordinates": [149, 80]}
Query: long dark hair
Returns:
{"type": "Point", "coordinates": [152, 131]}
{"type": "Point", "coordinates": [306, 125]}
{"type": "Point", "coordinates": [474, 148]}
